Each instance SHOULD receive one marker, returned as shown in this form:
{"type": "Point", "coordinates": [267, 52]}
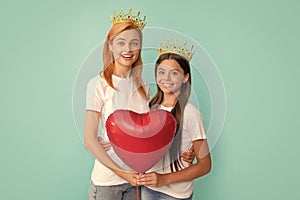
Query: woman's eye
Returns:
{"type": "Point", "coordinates": [134, 44]}
{"type": "Point", "coordinates": [121, 43]}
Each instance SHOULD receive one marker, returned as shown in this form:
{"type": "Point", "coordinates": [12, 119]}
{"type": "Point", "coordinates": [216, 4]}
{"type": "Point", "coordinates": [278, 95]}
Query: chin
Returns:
{"type": "Point", "coordinates": [125, 63]}
{"type": "Point", "coordinates": [129, 65]}
{"type": "Point", "coordinates": [167, 91]}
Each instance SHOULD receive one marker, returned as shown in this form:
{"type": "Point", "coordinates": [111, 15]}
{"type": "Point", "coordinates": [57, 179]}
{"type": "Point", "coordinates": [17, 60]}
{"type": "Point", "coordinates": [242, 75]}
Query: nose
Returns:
{"type": "Point", "coordinates": [127, 47]}
{"type": "Point", "coordinates": [167, 76]}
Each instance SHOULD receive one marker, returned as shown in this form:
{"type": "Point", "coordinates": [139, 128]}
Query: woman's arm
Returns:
{"type": "Point", "coordinates": [201, 168]}
{"type": "Point", "coordinates": [92, 144]}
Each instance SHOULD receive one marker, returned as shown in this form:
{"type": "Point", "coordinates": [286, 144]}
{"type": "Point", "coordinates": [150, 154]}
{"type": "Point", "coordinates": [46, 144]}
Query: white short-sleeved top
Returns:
{"type": "Point", "coordinates": [100, 97]}
{"type": "Point", "coordinates": [193, 129]}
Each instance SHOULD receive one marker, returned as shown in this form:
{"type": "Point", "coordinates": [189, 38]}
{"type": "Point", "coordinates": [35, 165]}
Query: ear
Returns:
{"type": "Point", "coordinates": [110, 46]}
{"type": "Point", "coordinates": [186, 78]}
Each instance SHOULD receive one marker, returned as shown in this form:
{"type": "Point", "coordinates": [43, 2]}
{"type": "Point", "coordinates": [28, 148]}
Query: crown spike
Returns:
{"type": "Point", "coordinates": [175, 48]}
{"type": "Point", "coordinates": [125, 17]}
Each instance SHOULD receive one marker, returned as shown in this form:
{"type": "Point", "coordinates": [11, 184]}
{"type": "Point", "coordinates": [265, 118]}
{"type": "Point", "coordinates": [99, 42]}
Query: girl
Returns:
{"type": "Point", "coordinates": [173, 78]}
{"type": "Point", "coordinates": [118, 86]}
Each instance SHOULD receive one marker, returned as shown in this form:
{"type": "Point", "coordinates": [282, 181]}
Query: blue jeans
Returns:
{"type": "Point", "coordinates": [115, 192]}
{"type": "Point", "coordinates": [148, 194]}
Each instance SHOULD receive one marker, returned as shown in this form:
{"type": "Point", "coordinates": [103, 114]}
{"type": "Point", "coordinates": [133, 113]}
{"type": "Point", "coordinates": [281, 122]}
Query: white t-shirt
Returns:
{"type": "Point", "coordinates": [102, 98]}
{"type": "Point", "coordinates": [193, 129]}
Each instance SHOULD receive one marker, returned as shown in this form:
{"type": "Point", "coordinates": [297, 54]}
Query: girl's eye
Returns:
{"type": "Point", "coordinates": [161, 72]}
{"type": "Point", "coordinates": [174, 73]}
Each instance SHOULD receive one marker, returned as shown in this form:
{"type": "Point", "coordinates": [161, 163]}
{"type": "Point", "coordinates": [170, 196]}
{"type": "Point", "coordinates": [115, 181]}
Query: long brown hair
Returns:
{"type": "Point", "coordinates": [108, 60]}
{"type": "Point", "coordinates": [178, 109]}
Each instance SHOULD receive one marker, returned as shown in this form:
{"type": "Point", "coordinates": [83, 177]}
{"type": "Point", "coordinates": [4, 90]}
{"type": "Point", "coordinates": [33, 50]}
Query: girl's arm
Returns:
{"type": "Point", "coordinates": [201, 168]}
{"type": "Point", "coordinates": [187, 156]}
{"type": "Point", "coordinates": [92, 144]}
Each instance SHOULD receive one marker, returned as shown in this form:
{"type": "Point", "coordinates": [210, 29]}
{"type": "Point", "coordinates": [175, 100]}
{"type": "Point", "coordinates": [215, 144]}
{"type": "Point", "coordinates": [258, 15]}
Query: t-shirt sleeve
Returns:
{"type": "Point", "coordinates": [195, 124]}
{"type": "Point", "coordinates": [94, 95]}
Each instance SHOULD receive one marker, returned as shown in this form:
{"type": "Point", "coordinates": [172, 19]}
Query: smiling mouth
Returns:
{"type": "Point", "coordinates": [167, 84]}
{"type": "Point", "coordinates": [127, 56]}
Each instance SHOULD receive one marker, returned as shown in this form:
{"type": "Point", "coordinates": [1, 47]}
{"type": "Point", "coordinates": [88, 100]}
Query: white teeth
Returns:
{"type": "Point", "coordinates": [167, 84]}
{"type": "Point", "coordinates": [126, 56]}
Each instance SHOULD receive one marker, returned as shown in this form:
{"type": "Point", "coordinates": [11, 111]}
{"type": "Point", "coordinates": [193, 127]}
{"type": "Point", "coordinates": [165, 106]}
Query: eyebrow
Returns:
{"type": "Point", "coordinates": [121, 39]}
{"type": "Point", "coordinates": [161, 67]}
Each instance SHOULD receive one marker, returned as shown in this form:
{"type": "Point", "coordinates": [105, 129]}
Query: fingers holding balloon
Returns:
{"type": "Point", "coordinates": [189, 156]}
{"type": "Point", "coordinates": [106, 145]}
{"type": "Point", "coordinates": [130, 177]}
{"type": "Point", "coordinates": [152, 179]}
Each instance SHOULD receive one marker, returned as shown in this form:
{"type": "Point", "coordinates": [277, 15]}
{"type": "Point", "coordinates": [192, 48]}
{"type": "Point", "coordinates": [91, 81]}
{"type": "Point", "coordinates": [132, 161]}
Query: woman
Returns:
{"type": "Point", "coordinates": [118, 86]}
{"type": "Point", "coordinates": [173, 78]}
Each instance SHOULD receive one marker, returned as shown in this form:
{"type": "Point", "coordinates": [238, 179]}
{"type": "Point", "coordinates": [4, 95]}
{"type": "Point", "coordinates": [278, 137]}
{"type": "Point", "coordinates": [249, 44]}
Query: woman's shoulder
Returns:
{"type": "Point", "coordinates": [145, 83]}
{"type": "Point", "coordinates": [95, 78]}
{"type": "Point", "coordinates": [96, 81]}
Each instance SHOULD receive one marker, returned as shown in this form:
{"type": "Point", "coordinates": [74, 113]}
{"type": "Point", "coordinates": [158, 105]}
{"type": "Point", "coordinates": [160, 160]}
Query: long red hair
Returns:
{"type": "Point", "coordinates": [108, 60]}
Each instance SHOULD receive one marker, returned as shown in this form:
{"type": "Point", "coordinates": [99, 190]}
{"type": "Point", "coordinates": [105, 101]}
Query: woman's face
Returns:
{"type": "Point", "coordinates": [126, 47]}
{"type": "Point", "coordinates": [170, 76]}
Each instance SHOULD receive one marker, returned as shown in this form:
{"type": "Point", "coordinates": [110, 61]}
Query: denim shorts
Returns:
{"type": "Point", "coordinates": [148, 194]}
{"type": "Point", "coordinates": [115, 192]}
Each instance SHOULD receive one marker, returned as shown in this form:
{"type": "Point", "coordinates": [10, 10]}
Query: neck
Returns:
{"type": "Point", "coordinates": [122, 71]}
{"type": "Point", "coordinates": [169, 100]}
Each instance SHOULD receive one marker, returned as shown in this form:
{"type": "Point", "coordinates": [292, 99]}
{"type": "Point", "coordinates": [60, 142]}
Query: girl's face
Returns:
{"type": "Point", "coordinates": [170, 76]}
{"type": "Point", "coordinates": [126, 47]}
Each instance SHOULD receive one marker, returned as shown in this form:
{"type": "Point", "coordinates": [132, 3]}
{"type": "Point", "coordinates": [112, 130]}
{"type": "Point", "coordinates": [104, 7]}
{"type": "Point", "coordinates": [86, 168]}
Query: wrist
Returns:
{"type": "Point", "coordinates": [120, 173]}
{"type": "Point", "coordinates": [166, 179]}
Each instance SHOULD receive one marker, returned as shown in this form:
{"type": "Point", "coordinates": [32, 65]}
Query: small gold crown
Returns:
{"type": "Point", "coordinates": [125, 17]}
{"type": "Point", "coordinates": [176, 49]}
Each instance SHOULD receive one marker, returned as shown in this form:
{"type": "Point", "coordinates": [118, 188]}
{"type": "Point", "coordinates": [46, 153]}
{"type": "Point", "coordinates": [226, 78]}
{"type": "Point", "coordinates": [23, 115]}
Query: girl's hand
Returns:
{"type": "Point", "coordinates": [189, 156]}
{"type": "Point", "coordinates": [106, 145]}
{"type": "Point", "coordinates": [152, 179]}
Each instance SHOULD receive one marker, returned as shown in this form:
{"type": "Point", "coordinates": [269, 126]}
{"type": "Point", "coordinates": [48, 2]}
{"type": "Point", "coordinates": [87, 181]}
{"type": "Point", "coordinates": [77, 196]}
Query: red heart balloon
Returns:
{"type": "Point", "coordinates": [141, 140]}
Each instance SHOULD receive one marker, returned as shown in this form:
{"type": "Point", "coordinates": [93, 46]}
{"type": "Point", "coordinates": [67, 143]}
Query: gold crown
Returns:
{"type": "Point", "coordinates": [176, 49]}
{"type": "Point", "coordinates": [125, 17]}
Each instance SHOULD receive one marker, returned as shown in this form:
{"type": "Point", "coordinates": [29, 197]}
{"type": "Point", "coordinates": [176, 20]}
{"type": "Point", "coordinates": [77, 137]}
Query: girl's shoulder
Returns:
{"type": "Point", "coordinates": [192, 111]}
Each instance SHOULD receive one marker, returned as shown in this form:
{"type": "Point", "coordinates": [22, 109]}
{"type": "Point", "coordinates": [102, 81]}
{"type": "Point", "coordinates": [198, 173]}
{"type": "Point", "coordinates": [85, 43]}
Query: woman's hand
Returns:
{"type": "Point", "coordinates": [152, 179]}
{"type": "Point", "coordinates": [189, 156]}
{"type": "Point", "coordinates": [106, 145]}
{"type": "Point", "coordinates": [128, 176]}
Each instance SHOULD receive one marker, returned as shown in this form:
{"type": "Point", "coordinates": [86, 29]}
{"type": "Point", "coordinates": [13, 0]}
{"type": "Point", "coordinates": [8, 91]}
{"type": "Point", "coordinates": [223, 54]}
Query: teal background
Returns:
{"type": "Point", "coordinates": [255, 45]}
